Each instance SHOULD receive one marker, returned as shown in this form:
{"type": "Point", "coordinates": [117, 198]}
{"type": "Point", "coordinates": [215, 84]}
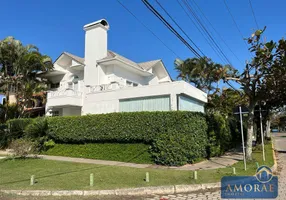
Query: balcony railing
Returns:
{"type": "Point", "coordinates": [64, 93]}
{"type": "Point", "coordinates": [105, 87]}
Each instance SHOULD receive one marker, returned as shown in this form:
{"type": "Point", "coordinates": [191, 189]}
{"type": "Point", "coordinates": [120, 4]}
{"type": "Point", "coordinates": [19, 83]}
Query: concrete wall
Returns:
{"type": "Point", "coordinates": [108, 101]}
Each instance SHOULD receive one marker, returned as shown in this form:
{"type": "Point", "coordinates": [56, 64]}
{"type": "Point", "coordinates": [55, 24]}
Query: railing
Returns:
{"type": "Point", "coordinates": [105, 87]}
{"type": "Point", "coordinates": [64, 93]}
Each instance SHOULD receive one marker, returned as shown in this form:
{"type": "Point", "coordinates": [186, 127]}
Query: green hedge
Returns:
{"type": "Point", "coordinates": [124, 127]}
{"type": "Point", "coordinates": [219, 135]}
{"type": "Point", "coordinates": [176, 137]}
{"type": "Point", "coordinates": [134, 153]}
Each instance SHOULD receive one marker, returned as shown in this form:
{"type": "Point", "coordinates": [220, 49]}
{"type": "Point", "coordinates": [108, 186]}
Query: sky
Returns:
{"type": "Point", "coordinates": [57, 25]}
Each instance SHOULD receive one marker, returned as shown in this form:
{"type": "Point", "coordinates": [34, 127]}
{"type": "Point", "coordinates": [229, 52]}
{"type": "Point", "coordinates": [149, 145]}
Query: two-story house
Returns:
{"type": "Point", "coordinates": [104, 81]}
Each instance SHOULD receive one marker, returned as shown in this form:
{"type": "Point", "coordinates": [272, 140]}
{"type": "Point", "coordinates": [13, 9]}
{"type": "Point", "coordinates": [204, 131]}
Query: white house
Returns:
{"type": "Point", "coordinates": [104, 81]}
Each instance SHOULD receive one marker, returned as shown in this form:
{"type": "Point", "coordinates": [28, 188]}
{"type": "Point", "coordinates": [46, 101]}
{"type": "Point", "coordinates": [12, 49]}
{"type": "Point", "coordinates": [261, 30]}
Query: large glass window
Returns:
{"type": "Point", "coordinates": [155, 103]}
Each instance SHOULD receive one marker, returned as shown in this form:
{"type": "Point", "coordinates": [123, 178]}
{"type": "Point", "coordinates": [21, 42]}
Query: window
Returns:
{"type": "Point", "coordinates": [55, 85]}
{"type": "Point", "coordinates": [55, 113]}
{"type": "Point", "coordinates": [130, 83]}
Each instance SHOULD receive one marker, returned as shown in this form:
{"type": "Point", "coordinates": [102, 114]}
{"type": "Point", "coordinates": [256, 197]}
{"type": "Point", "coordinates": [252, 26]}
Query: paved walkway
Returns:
{"type": "Point", "coordinates": [214, 163]}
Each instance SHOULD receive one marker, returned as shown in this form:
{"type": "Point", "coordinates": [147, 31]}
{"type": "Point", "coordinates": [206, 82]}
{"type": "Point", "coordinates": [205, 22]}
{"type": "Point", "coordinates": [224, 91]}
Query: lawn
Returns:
{"type": "Point", "coordinates": [135, 153]}
{"type": "Point", "coordinates": [57, 175]}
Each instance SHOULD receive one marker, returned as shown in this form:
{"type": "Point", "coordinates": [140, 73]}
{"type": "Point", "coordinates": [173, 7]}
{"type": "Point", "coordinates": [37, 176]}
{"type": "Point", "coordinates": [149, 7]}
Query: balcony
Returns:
{"type": "Point", "coordinates": [67, 97]}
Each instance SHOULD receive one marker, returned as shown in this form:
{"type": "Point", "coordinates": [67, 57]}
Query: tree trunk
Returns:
{"type": "Point", "coordinates": [250, 122]}
{"type": "Point", "coordinates": [268, 123]}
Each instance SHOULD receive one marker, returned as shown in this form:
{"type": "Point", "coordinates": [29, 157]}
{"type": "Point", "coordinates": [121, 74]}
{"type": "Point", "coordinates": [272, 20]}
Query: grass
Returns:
{"type": "Point", "coordinates": [55, 175]}
{"type": "Point", "coordinates": [109, 197]}
{"type": "Point", "coordinates": [135, 153]}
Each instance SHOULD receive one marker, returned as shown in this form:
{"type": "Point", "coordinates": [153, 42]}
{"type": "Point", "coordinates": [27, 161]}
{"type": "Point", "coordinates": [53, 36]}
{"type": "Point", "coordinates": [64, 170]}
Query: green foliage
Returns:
{"type": "Point", "coordinates": [175, 149]}
{"type": "Point", "coordinates": [134, 153]}
{"type": "Point", "coordinates": [219, 135]}
{"type": "Point", "coordinates": [123, 127]}
{"type": "Point", "coordinates": [37, 128]}
{"type": "Point", "coordinates": [23, 147]}
{"type": "Point", "coordinates": [15, 129]}
{"type": "Point", "coordinates": [3, 136]}
{"type": "Point", "coordinates": [49, 144]}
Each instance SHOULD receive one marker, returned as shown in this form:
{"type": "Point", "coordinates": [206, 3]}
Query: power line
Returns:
{"type": "Point", "coordinates": [253, 14]}
{"type": "Point", "coordinates": [147, 28]}
{"type": "Point", "coordinates": [205, 29]}
{"type": "Point", "coordinates": [161, 18]}
{"type": "Point", "coordinates": [200, 30]}
{"type": "Point", "coordinates": [235, 24]}
{"type": "Point", "coordinates": [179, 27]}
{"type": "Point", "coordinates": [217, 32]}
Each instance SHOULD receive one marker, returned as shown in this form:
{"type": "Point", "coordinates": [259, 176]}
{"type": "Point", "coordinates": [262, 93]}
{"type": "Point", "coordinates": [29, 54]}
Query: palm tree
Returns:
{"type": "Point", "coordinates": [202, 72]}
{"type": "Point", "coordinates": [19, 65]}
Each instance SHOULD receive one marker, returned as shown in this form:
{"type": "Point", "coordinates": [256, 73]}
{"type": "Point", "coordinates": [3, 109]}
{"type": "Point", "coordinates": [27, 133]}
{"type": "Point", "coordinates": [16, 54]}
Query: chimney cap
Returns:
{"type": "Point", "coordinates": [101, 22]}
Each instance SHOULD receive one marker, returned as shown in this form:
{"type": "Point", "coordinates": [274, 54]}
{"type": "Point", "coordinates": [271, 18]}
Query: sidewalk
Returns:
{"type": "Point", "coordinates": [214, 163]}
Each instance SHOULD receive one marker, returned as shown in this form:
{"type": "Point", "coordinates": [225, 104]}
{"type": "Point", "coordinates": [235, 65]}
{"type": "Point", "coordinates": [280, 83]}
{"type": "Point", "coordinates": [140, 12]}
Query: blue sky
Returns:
{"type": "Point", "coordinates": [57, 26]}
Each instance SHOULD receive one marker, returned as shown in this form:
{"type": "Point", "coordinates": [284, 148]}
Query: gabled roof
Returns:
{"type": "Point", "coordinates": [143, 66]}
{"type": "Point", "coordinates": [76, 58]}
{"type": "Point", "coordinates": [148, 65]}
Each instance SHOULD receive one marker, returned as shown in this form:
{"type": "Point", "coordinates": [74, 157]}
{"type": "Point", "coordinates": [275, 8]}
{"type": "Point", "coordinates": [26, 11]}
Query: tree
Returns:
{"type": "Point", "coordinates": [261, 80]}
{"type": "Point", "coordinates": [19, 65]}
{"type": "Point", "coordinates": [260, 76]}
{"type": "Point", "coordinates": [202, 72]}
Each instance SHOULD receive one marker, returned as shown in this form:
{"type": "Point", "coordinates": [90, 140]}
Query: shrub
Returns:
{"type": "Point", "coordinates": [134, 127]}
{"type": "Point", "coordinates": [38, 127]}
{"type": "Point", "coordinates": [22, 147]}
{"type": "Point", "coordinates": [3, 136]}
{"type": "Point", "coordinates": [16, 127]}
{"type": "Point", "coordinates": [48, 144]}
{"type": "Point", "coordinates": [219, 135]}
{"type": "Point", "coordinates": [134, 153]}
{"type": "Point", "coordinates": [175, 149]}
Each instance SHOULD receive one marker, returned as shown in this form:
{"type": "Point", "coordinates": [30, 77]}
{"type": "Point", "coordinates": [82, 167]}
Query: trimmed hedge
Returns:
{"type": "Point", "coordinates": [176, 137]}
{"type": "Point", "coordinates": [134, 153]}
{"type": "Point", "coordinates": [137, 127]}
{"type": "Point", "coordinates": [219, 135]}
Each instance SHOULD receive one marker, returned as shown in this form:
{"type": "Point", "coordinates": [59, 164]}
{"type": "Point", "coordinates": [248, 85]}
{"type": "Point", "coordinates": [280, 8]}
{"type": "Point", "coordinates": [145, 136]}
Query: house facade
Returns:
{"type": "Point", "coordinates": [104, 82]}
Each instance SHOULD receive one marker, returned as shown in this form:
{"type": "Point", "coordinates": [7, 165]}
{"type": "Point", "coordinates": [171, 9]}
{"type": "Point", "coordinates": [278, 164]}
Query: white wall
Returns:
{"type": "Point", "coordinates": [108, 101]}
{"type": "Point", "coordinates": [95, 49]}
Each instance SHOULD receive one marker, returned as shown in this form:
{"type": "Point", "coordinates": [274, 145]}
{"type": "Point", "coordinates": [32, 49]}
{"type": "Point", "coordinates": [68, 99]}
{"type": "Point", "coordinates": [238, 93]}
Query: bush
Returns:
{"type": "Point", "coordinates": [219, 135]}
{"type": "Point", "coordinates": [137, 127]}
{"type": "Point", "coordinates": [48, 145]}
{"type": "Point", "coordinates": [3, 136]}
{"type": "Point", "coordinates": [176, 149]}
{"type": "Point", "coordinates": [22, 147]}
{"type": "Point", "coordinates": [134, 153]}
{"type": "Point", "coordinates": [37, 128]}
{"type": "Point", "coordinates": [16, 127]}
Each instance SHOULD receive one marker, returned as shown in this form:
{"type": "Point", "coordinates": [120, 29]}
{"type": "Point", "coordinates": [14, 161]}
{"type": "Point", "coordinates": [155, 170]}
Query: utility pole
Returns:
{"type": "Point", "coordinates": [261, 131]}
{"type": "Point", "coordinates": [242, 136]}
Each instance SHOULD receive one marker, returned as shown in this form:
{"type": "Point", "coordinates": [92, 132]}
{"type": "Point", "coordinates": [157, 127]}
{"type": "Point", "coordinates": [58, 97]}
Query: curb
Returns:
{"type": "Point", "coordinates": [118, 192]}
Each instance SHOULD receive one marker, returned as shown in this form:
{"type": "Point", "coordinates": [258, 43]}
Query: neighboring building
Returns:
{"type": "Point", "coordinates": [104, 81]}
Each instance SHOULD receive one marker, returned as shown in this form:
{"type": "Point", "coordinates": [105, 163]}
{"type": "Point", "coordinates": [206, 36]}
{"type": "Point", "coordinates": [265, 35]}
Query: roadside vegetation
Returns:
{"type": "Point", "coordinates": [55, 175]}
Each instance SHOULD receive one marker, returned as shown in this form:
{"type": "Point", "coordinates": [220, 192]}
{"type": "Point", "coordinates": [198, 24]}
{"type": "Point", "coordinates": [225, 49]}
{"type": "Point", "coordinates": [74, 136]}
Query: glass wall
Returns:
{"type": "Point", "coordinates": [154, 103]}
{"type": "Point", "coordinates": [190, 104]}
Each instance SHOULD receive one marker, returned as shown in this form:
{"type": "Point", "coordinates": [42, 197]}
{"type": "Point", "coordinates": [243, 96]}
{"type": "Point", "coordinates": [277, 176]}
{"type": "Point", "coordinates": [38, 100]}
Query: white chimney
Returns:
{"type": "Point", "coordinates": [95, 49]}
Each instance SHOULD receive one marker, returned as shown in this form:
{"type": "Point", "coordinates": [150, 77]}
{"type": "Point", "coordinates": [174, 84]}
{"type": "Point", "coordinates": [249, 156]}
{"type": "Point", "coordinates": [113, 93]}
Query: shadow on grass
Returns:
{"type": "Point", "coordinates": [61, 173]}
